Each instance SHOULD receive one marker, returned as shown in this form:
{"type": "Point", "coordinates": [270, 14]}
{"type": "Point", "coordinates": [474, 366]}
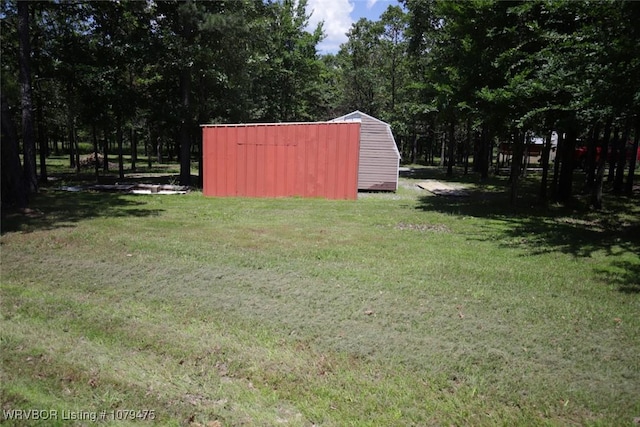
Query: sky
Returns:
{"type": "Point", "coordinates": [338, 15]}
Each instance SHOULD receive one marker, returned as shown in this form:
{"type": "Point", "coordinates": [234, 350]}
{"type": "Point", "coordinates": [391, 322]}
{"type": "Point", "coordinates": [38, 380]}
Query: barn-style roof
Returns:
{"type": "Point", "coordinates": [379, 156]}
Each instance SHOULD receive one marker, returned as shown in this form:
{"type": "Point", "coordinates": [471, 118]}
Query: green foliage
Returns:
{"type": "Point", "coordinates": [285, 68]}
{"type": "Point", "coordinates": [158, 69]}
{"type": "Point", "coordinates": [514, 63]}
{"type": "Point", "coordinates": [504, 68]}
{"type": "Point", "coordinates": [124, 65]}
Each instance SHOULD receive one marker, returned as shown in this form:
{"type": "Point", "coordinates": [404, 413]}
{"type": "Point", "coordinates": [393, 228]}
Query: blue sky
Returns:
{"type": "Point", "coordinates": [338, 15]}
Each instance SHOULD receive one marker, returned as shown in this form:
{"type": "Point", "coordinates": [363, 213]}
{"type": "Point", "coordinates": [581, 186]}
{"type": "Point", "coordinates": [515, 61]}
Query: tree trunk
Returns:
{"type": "Point", "coordinates": [43, 138]}
{"type": "Point", "coordinates": [556, 164]}
{"type": "Point", "coordinates": [596, 192]}
{"type": "Point", "coordinates": [414, 148]}
{"type": "Point", "coordinates": [185, 127]}
{"type": "Point", "coordinates": [632, 164]}
{"type": "Point", "coordinates": [477, 151]}
{"type": "Point", "coordinates": [76, 149]}
{"type": "Point", "coordinates": [546, 154]}
{"type": "Point", "coordinates": [120, 138]}
{"type": "Point", "coordinates": [565, 182]}
{"type": "Point", "coordinates": [96, 165]}
{"type": "Point", "coordinates": [443, 149]}
{"type": "Point", "coordinates": [525, 155]}
{"type": "Point", "coordinates": [105, 155]}
{"type": "Point", "coordinates": [451, 149]}
{"type": "Point", "coordinates": [149, 147]}
{"type": "Point", "coordinates": [28, 138]}
{"type": "Point", "coordinates": [14, 190]}
{"type": "Point", "coordinates": [56, 150]}
{"type": "Point", "coordinates": [71, 131]}
{"type": "Point", "coordinates": [134, 148]}
{"type": "Point", "coordinates": [200, 160]}
{"type": "Point", "coordinates": [618, 182]}
{"type": "Point", "coordinates": [43, 142]}
{"type": "Point", "coordinates": [159, 149]}
{"type": "Point", "coordinates": [484, 153]}
{"type": "Point", "coordinates": [516, 161]}
{"type": "Point", "coordinates": [613, 156]}
{"type": "Point", "coordinates": [62, 138]}
{"type": "Point", "coordinates": [592, 152]}
{"type": "Point", "coordinates": [467, 146]}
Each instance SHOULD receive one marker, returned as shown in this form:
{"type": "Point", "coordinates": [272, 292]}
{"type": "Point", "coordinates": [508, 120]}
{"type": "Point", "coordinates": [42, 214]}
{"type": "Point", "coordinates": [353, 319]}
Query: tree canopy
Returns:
{"type": "Point", "coordinates": [454, 78]}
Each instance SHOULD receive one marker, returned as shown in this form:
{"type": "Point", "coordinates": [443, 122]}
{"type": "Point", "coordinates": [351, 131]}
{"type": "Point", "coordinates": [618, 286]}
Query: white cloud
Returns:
{"type": "Point", "coordinates": [337, 21]}
{"type": "Point", "coordinates": [371, 3]}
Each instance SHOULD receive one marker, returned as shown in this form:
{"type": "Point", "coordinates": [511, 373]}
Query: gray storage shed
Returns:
{"type": "Point", "coordinates": [379, 156]}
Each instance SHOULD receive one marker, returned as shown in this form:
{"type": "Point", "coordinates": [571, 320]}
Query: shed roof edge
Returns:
{"type": "Point", "coordinates": [276, 124]}
{"type": "Point", "coordinates": [395, 145]}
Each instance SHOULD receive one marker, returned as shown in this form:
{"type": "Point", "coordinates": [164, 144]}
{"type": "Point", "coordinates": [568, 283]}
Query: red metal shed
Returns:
{"type": "Point", "coordinates": [281, 159]}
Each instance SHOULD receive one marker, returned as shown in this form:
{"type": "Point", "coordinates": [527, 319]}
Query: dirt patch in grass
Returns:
{"type": "Point", "coordinates": [437, 228]}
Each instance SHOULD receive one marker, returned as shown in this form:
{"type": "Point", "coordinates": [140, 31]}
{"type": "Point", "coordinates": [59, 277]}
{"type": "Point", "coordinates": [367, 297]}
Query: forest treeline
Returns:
{"type": "Point", "coordinates": [453, 78]}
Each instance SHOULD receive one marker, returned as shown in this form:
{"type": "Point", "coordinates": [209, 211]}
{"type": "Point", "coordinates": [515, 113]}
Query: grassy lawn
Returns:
{"type": "Point", "coordinates": [395, 309]}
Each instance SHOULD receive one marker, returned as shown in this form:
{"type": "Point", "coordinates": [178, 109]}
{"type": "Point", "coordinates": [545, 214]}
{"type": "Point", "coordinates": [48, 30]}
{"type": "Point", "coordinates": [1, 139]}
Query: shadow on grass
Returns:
{"type": "Point", "coordinates": [554, 229]}
{"type": "Point", "coordinates": [54, 209]}
{"type": "Point", "coordinates": [147, 177]}
{"type": "Point", "coordinates": [624, 274]}
{"type": "Point", "coordinates": [571, 229]}
{"type": "Point", "coordinates": [440, 173]}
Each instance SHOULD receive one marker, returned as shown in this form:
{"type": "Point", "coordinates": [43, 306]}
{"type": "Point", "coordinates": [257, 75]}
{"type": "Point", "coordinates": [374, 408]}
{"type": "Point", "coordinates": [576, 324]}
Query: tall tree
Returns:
{"type": "Point", "coordinates": [360, 58]}
{"type": "Point", "coordinates": [14, 191]}
{"type": "Point", "coordinates": [394, 49]}
{"type": "Point", "coordinates": [529, 65]}
{"type": "Point", "coordinates": [28, 137]}
{"type": "Point", "coordinates": [633, 159]}
{"type": "Point", "coordinates": [285, 70]}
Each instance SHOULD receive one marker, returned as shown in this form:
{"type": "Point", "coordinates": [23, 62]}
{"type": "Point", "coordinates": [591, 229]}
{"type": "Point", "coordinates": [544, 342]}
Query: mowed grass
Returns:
{"type": "Point", "coordinates": [395, 309]}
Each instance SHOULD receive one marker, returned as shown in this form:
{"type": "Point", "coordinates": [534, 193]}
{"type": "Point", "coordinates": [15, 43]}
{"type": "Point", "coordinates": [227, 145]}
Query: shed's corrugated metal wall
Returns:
{"type": "Point", "coordinates": [280, 160]}
{"type": "Point", "coordinates": [378, 169]}
{"type": "Point", "coordinates": [379, 157]}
